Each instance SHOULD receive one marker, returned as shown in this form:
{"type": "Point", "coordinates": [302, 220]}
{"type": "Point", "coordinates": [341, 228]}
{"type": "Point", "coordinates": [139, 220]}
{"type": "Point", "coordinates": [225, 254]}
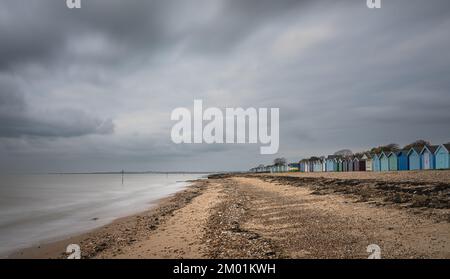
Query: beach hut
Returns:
{"type": "Point", "coordinates": [355, 163]}
{"type": "Point", "coordinates": [384, 162]}
{"type": "Point", "coordinates": [341, 164]}
{"type": "Point", "coordinates": [414, 159]}
{"type": "Point", "coordinates": [393, 161]}
{"type": "Point", "coordinates": [350, 165]}
{"type": "Point", "coordinates": [315, 166]}
{"type": "Point", "coordinates": [331, 163]}
{"type": "Point", "coordinates": [362, 164]}
{"type": "Point", "coordinates": [311, 165]}
{"type": "Point", "coordinates": [344, 164]}
{"type": "Point", "coordinates": [307, 166]}
{"type": "Point", "coordinates": [274, 168]}
{"type": "Point", "coordinates": [324, 164]}
{"type": "Point", "coordinates": [319, 165]}
{"type": "Point", "coordinates": [402, 160]}
{"type": "Point", "coordinates": [427, 157]}
{"type": "Point", "coordinates": [376, 162]}
{"type": "Point", "coordinates": [304, 165]}
{"type": "Point", "coordinates": [301, 166]}
{"type": "Point", "coordinates": [443, 156]}
{"type": "Point", "coordinates": [367, 158]}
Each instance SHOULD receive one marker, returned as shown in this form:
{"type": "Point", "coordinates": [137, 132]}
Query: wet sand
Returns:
{"type": "Point", "coordinates": [316, 215]}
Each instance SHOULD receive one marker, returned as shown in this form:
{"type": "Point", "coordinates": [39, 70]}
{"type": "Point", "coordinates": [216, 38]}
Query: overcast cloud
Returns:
{"type": "Point", "coordinates": [92, 89]}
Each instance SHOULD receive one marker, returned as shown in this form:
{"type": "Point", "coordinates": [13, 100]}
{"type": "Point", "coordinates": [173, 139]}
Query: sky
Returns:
{"type": "Point", "coordinates": [92, 89]}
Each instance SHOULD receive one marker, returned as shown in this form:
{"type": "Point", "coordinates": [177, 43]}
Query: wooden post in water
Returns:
{"type": "Point", "coordinates": [122, 176]}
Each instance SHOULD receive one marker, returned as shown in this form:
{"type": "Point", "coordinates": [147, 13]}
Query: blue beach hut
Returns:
{"type": "Point", "coordinates": [331, 163]}
{"type": "Point", "coordinates": [384, 162]}
{"type": "Point", "coordinates": [311, 165]}
{"type": "Point", "coordinates": [414, 159]}
{"type": "Point", "coordinates": [317, 165]}
{"type": "Point", "coordinates": [393, 161]}
{"type": "Point", "coordinates": [402, 160]}
{"type": "Point", "coordinates": [427, 157]}
{"type": "Point", "coordinates": [350, 165]}
{"type": "Point", "coordinates": [442, 155]}
{"type": "Point", "coordinates": [376, 162]}
{"type": "Point", "coordinates": [323, 161]}
{"type": "Point", "coordinates": [344, 164]}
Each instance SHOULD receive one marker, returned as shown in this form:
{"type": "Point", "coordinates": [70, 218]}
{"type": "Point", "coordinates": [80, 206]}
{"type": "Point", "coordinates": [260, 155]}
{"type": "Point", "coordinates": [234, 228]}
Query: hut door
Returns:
{"type": "Point", "coordinates": [440, 163]}
{"type": "Point", "coordinates": [426, 160]}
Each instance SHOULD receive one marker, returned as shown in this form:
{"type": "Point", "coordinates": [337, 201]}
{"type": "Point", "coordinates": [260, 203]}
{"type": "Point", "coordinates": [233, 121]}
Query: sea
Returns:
{"type": "Point", "coordinates": [39, 208]}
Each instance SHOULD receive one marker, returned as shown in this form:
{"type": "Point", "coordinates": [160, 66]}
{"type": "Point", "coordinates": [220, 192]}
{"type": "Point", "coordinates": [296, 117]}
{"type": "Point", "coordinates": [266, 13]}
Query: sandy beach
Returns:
{"type": "Point", "coordinates": [291, 215]}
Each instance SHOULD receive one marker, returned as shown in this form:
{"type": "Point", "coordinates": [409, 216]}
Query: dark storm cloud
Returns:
{"type": "Point", "coordinates": [16, 120]}
{"type": "Point", "coordinates": [40, 31]}
{"type": "Point", "coordinates": [98, 84]}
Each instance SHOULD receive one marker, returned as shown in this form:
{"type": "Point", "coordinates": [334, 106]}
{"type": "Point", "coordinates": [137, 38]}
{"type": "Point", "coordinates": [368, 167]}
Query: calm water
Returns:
{"type": "Point", "coordinates": [36, 208]}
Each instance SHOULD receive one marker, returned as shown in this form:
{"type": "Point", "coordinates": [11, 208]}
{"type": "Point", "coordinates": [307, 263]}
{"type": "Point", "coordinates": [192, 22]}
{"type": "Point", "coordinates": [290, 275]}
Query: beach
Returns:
{"type": "Point", "coordinates": [288, 215]}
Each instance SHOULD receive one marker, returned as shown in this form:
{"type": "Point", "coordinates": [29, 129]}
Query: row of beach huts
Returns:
{"type": "Point", "coordinates": [426, 158]}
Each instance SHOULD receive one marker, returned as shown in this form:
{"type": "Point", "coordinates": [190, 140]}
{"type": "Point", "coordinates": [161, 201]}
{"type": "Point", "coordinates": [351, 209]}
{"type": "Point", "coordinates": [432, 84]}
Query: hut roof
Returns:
{"type": "Point", "coordinates": [384, 154]}
{"type": "Point", "coordinates": [368, 155]}
{"type": "Point", "coordinates": [402, 153]}
{"type": "Point", "coordinates": [431, 148]}
{"type": "Point", "coordinates": [446, 146]}
{"type": "Point", "coordinates": [375, 155]}
{"type": "Point", "coordinates": [416, 149]}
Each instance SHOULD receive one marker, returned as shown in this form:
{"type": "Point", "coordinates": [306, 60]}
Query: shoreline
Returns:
{"type": "Point", "coordinates": [290, 215]}
{"type": "Point", "coordinates": [90, 240]}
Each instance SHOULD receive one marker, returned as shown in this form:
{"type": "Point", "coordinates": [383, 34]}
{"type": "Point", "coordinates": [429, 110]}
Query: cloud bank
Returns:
{"type": "Point", "coordinates": [92, 89]}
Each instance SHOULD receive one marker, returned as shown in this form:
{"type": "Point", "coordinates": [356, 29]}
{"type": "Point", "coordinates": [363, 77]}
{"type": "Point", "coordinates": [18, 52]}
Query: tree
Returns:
{"type": "Point", "coordinates": [392, 147]}
{"type": "Point", "coordinates": [417, 144]}
{"type": "Point", "coordinates": [343, 152]}
{"type": "Point", "coordinates": [279, 162]}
